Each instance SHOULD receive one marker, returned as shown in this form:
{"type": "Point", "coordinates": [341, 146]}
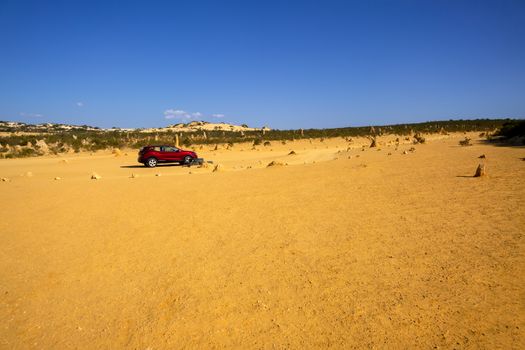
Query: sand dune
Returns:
{"type": "Point", "coordinates": [346, 246]}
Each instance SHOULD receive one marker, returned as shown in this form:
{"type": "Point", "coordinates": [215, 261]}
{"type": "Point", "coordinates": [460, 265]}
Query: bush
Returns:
{"type": "Point", "coordinates": [465, 142]}
{"type": "Point", "coordinates": [512, 129]}
{"type": "Point", "coordinates": [419, 139]}
{"type": "Point", "coordinates": [26, 152]}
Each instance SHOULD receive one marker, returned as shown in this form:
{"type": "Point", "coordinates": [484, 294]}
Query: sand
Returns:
{"type": "Point", "coordinates": [338, 248]}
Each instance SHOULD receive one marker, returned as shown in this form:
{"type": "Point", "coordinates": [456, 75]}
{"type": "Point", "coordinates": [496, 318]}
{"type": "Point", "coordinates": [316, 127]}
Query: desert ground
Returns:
{"type": "Point", "coordinates": [341, 246]}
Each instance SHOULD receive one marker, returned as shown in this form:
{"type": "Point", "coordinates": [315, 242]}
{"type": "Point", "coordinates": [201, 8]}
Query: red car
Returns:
{"type": "Point", "coordinates": [150, 156]}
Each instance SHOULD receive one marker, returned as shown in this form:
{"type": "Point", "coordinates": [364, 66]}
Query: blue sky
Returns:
{"type": "Point", "coordinates": [285, 64]}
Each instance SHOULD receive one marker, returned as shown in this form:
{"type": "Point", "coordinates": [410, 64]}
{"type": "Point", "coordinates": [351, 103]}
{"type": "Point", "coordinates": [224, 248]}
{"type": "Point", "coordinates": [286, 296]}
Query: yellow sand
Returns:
{"type": "Point", "coordinates": [375, 251]}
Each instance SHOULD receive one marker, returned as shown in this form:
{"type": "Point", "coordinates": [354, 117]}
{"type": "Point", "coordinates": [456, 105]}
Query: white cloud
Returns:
{"type": "Point", "coordinates": [31, 115]}
{"type": "Point", "coordinates": [178, 114]}
{"type": "Point", "coordinates": [183, 115]}
{"type": "Point", "coordinates": [80, 104]}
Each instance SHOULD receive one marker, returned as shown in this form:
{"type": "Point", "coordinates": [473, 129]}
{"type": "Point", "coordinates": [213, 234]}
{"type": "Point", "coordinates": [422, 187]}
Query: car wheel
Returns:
{"type": "Point", "coordinates": [187, 160]}
{"type": "Point", "coordinates": [151, 162]}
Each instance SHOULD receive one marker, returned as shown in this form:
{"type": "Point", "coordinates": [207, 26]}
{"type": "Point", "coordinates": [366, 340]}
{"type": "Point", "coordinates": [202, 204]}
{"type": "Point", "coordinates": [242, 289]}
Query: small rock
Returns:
{"type": "Point", "coordinates": [133, 176]}
{"type": "Point", "coordinates": [95, 176]}
{"type": "Point", "coordinates": [292, 153]}
{"type": "Point", "coordinates": [405, 152]}
{"type": "Point", "coordinates": [480, 171]}
{"type": "Point", "coordinates": [5, 179]}
{"type": "Point", "coordinates": [217, 168]}
{"type": "Point", "coordinates": [58, 178]}
{"type": "Point", "coordinates": [42, 146]}
{"type": "Point", "coordinates": [482, 156]}
{"type": "Point", "coordinates": [275, 163]}
{"type": "Point", "coordinates": [158, 174]}
{"type": "Point", "coordinates": [117, 152]}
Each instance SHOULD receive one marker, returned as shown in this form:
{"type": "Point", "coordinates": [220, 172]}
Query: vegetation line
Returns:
{"type": "Point", "coordinates": [23, 143]}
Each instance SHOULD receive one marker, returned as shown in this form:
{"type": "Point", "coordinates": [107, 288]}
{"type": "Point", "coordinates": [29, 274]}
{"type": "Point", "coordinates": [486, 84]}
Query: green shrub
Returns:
{"type": "Point", "coordinates": [512, 129]}
{"type": "Point", "coordinates": [419, 139]}
{"type": "Point", "coordinates": [26, 152]}
{"type": "Point", "coordinates": [465, 142]}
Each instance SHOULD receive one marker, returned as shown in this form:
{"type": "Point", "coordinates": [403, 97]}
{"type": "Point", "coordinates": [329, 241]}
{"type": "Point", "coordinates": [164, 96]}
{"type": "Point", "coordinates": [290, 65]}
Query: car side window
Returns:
{"type": "Point", "coordinates": [156, 149]}
{"type": "Point", "coordinates": [170, 149]}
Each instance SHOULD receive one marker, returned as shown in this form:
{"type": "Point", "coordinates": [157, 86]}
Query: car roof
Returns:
{"type": "Point", "coordinates": [160, 146]}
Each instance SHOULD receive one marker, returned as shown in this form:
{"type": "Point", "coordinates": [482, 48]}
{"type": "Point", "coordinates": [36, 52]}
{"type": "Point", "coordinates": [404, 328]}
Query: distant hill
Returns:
{"type": "Point", "coordinates": [206, 126]}
{"type": "Point", "coordinates": [6, 126]}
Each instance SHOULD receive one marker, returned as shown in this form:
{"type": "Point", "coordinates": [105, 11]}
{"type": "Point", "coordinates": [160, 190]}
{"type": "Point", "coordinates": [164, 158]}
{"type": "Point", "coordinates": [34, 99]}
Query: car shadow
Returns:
{"type": "Point", "coordinates": [158, 165]}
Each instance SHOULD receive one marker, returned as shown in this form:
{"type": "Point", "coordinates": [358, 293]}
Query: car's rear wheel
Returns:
{"type": "Point", "coordinates": [187, 160]}
{"type": "Point", "coordinates": [151, 162]}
